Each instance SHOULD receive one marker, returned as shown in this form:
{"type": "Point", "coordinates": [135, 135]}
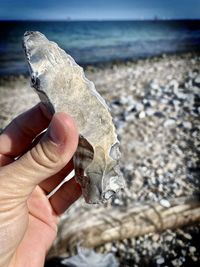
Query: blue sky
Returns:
{"type": "Point", "coordinates": [98, 9]}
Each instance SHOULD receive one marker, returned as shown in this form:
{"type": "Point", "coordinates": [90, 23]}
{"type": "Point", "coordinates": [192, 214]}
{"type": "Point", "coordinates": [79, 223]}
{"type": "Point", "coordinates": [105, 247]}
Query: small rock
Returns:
{"type": "Point", "coordinates": [151, 112]}
{"type": "Point", "coordinates": [160, 260]}
{"type": "Point", "coordinates": [176, 263]}
{"type": "Point", "coordinates": [187, 124]}
{"type": "Point", "coordinates": [129, 167]}
{"type": "Point", "coordinates": [169, 238]}
{"type": "Point", "coordinates": [155, 237]}
{"type": "Point", "coordinates": [159, 114]}
{"type": "Point", "coordinates": [192, 249]}
{"type": "Point", "coordinates": [142, 115]}
{"type": "Point", "coordinates": [173, 84]}
{"type": "Point", "coordinates": [169, 123]}
{"type": "Point", "coordinates": [187, 236]}
{"type": "Point", "coordinates": [154, 85]}
{"type": "Point", "coordinates": [152, 103]}
{"type": "Point", "coordinates": [117, 202]}
{"type": "Point", "coordinates": [114, 249]}
{"type": "Point", "coordinates": [164, 101]}
{"type": "Point", "coordinates": [139, 107]}
{"type": "Point", "coordinates": [197, 80]}
{"type": "Point", "coordinates": [181, 95]}
{"type": "Point", "coordinates": [108, 246]}
{"type": "Point", "coordinates": [176, 103]}
{"type": "Point", "coordinates": [181, 243]}
{"type": "Point", "coordinates": [194, 258]}
{"type": "Point", "coordinates": [183, 252]}
{"type": "Point", "coordinates": [165, 203]}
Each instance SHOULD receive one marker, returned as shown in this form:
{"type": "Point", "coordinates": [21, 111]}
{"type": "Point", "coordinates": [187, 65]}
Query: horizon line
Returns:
{"type": "Point", "coordinates": [101, 20]}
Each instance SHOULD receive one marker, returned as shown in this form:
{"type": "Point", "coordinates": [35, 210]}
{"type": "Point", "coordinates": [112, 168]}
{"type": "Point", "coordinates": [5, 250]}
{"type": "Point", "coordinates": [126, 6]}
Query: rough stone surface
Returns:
{"type": "Point", "coordinates": [62, 86]}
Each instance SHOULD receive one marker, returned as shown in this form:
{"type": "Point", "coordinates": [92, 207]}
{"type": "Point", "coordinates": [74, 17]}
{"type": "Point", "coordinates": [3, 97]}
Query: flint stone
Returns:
{"type": "Point", "coordinates": [62, 86]}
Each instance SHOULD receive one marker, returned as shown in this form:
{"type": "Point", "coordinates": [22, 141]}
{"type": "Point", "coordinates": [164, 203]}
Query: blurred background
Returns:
{"type": "Point", "coordinates": [144, 58]}
{"type": "Point", "coordinates": [100, 31]}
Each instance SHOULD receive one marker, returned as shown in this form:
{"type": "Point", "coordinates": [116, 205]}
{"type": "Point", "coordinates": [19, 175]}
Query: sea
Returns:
{"type": "Point", "coordinates": [97, 42]}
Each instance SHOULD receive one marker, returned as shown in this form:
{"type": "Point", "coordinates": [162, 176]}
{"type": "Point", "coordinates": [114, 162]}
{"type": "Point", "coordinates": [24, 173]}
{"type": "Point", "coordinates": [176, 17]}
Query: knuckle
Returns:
{"type": "Point", "coordinates": [44, 157]}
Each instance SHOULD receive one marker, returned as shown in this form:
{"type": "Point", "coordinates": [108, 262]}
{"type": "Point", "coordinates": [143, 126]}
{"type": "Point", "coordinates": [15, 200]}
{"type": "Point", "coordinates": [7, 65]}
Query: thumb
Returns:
{"type": "Point", "coordinates": [48, 157]}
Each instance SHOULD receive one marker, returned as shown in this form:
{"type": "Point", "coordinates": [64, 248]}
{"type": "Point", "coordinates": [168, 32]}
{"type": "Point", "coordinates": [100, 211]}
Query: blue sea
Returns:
{"type": "Point", "coordinates": [94, 42]}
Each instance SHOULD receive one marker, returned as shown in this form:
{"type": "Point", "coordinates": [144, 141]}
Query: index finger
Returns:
{"type": "Point", "coordinates": [18, 135]}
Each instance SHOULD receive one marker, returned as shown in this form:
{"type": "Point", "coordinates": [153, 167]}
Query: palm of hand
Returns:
{"type": "Point", "coordinates": [28, 219]}
{"type": "Point", "coordinates": [40, 231]}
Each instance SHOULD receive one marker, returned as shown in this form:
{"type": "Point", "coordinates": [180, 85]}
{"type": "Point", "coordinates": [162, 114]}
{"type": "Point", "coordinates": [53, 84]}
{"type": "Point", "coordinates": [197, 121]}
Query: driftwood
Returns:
{"type": "Point", "coordinates": [93, 227]}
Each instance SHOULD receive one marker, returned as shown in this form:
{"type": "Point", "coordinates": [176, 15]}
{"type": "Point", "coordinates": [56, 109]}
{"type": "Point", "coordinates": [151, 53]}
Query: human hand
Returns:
{"type": "Point", "coordinates": [28, 219]}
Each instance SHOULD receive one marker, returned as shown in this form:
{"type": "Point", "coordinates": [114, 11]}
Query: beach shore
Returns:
{"type": "Point", "coordinates": [155, 105]}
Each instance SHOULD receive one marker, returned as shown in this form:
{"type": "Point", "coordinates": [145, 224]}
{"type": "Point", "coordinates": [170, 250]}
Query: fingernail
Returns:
{"type": "Point", "coordinates": [56, 131]}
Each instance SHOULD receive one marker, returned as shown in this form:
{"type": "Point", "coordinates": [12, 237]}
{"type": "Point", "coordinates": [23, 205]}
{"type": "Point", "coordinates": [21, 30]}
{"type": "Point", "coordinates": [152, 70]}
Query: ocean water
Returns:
{"type": "Point", "coordinates": [93, 42]}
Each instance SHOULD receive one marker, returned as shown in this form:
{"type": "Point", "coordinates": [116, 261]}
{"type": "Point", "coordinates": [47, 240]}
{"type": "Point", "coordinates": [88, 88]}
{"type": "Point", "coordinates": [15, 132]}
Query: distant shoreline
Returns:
{"type": "Point", "coordinates": [103, 20]}
{"type": "Point", "coordinates": [111, 64]}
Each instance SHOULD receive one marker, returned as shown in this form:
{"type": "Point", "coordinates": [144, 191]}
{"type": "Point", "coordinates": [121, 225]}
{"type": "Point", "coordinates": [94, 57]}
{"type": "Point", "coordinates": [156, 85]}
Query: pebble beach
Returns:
{"type": "Point", "coordinates": [155, 104]}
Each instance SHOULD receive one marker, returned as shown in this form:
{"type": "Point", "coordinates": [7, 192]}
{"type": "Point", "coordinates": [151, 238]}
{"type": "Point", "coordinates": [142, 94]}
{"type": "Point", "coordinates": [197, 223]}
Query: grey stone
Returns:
{"type": "Point", "coordinates": [192, 249]}
{"type": "Point", "coordinates": [150, 112]}
{"type": "Point", "coordinates": [142, 114]}
{"type": "Point", "coordinates": [154, 85]}
{"type": "Point", "coordinates": [62, 86]}
{"type": "Point", "coordinates": [187, 124]}
{"type": "Point", "coordinates": [160, 261]}
{"type": "Point", "coordinates": [197, 80]}
{"type": "Point", "coordinates": [165, 203]}
{"type": "Point", "coordinates": [169, 123]}
{"type": "Point", "coordinates": [139, 107]}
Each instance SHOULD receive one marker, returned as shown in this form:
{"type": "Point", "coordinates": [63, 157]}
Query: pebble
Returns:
{"type": "Point", "coordinates": [155, 237]}
{"type": "Point", "coordinates": [176, 263]}
{"type": "Point", "coordinates": [197, 80]}
{"type": "Point", "coordinates": [169, 123]}
{"type": "Point", "coordinates": [150, 112]}
{"type": "Point", "coordinates": [169, 238]}
{"type": "Point", "coordinates": [160, 261]}
{"type": "Point", "coordinates": [187, 124]}
{"type": "Point", "coordinates": [181, 95]}
{"type": "Point", "coordinates": [108, 246]}
{"type": "Point", "coordinates": [165, 203]}
{"type": "Point", "coordinates": [174, 84]}
{"type": "Point", "coordinates": [194, 258]}
{"type": "Point", "coordinates": [142, 115]}
{"type": "Point", "coordinates": [159, 114]}
{"type": "Point", "coordinates": [187, 236]}
{"type": "Point", "coordinates": [192, 249]}
{"type": "Point", "coordinates": [139, 107]}
{"type": "Point", "coordinates": [154, 85]}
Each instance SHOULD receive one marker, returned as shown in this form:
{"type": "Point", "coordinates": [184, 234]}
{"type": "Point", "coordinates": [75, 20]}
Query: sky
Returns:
{"type": "Point", "coordinates": [98, 9]}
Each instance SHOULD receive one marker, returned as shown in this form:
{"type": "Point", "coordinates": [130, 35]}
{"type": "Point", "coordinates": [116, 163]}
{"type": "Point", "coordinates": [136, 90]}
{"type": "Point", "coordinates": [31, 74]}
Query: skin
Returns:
{"type": "Point", "coordinates": [30, 168]}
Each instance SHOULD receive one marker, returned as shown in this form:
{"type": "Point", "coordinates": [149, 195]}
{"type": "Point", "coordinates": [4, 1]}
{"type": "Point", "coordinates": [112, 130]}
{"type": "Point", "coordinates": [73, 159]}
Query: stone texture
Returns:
{"type": "Point", "coordinates": [62, 86]}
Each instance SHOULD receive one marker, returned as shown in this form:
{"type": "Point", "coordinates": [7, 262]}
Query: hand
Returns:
{"type": "Point", "coordinates": [28, 219]}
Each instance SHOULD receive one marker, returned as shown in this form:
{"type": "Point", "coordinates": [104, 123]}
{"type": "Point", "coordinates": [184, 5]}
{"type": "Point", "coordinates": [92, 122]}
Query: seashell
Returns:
{"type": "Point", "coordinates": [62, 86]}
